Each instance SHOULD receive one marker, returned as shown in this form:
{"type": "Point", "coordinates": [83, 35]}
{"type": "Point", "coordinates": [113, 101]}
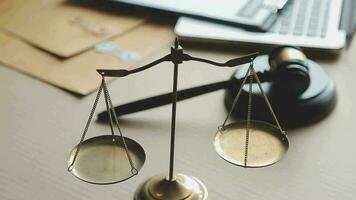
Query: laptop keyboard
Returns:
{"type": "Point", "coordinates": [303, 18]}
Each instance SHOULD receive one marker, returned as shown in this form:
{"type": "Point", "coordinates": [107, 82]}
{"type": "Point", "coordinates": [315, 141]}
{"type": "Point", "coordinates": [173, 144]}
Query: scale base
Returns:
{"type": "Point", "coordinates": [183, 187]}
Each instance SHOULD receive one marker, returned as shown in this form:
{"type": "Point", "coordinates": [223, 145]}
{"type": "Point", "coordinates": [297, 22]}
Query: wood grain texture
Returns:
{"type": "Point", "coordinates": [39, 125]}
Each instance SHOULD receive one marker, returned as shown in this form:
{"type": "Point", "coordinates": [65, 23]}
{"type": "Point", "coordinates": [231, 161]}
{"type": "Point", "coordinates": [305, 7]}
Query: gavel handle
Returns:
{"type": "Point", "coordinates": [165, 99]}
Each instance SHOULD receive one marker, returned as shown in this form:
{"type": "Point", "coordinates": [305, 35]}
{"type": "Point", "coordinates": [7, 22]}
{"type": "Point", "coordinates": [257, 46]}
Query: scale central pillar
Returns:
{"type": "Point", "coordinates": [175, 186]}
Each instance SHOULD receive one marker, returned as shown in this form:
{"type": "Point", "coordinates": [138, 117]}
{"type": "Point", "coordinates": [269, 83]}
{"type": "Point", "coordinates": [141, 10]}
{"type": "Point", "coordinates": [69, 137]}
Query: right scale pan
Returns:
{"type": "Point", "coordinates": [263, 145]}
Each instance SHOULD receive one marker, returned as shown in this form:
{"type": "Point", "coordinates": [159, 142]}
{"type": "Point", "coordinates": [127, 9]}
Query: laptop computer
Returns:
{"type": "Point", "coordinates": [252, 14]}
{"type": "Point", "coordinates": [305, 23]}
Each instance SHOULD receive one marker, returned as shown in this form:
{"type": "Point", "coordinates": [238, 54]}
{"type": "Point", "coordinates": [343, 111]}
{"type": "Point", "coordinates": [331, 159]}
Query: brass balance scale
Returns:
{"type": "Point", "coordinates": [109, 159]}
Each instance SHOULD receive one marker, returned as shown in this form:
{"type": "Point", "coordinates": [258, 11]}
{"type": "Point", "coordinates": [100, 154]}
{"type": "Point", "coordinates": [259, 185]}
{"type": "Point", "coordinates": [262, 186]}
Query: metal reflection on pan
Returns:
{"type": "Point", "coordinates": [266, 144]}
{"type": "Point", "coordinates": [251, 143]}
{"type": "Point", "coordinates": [102, 160]}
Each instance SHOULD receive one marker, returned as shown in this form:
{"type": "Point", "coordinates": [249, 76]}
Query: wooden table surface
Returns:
{"type": "Point", "coordinates": [40, 124]}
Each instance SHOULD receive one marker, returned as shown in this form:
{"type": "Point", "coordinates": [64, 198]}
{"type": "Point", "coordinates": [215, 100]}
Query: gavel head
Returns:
{"type": "Point", "coordinates": [290, 70]}
{"type": "Point", "coordinates": [300, 90]}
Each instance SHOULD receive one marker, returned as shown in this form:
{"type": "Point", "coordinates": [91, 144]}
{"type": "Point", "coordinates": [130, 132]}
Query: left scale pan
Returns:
{"type": "Point", "coordinates": [103, 160]}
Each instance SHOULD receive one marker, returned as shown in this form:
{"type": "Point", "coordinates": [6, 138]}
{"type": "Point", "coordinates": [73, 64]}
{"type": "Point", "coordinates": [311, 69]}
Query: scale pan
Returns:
{"type": "Point", "coordinates": [104, 161]}
{"type": "Point", "coordinates": [266, 145]}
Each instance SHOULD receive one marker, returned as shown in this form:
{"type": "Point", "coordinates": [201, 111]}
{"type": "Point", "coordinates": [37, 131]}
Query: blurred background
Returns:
{"type": "Point", "coordinates": [50, 50]}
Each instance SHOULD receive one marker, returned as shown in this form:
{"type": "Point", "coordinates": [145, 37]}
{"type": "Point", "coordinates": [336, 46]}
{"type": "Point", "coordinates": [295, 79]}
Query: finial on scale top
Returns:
{"type": "Point", "coordinates": [176, 43]}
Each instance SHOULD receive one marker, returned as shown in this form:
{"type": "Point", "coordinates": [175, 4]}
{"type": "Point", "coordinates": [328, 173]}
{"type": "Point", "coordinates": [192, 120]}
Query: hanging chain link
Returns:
{"type": "Point", "coordinates": [251, 73]}
{"type": "Point", "coordinates": [87, 125]}
{"type": "Point", "coordinates": [109, 111]}
{"type": "Point", "coordinates": [112, 113]}
{"type": "Point", "coordinates": [249, 111]}
{"type": "Point", "coordinates": [267, 102]}
{"type": "Point", "coordinates": [222, 127]}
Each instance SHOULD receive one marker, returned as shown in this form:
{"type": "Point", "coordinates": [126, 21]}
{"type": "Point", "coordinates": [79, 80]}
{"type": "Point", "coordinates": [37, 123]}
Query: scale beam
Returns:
{"type": "Point", "coordinates": [177, 56]}
{"type": "Point", "coordinates": [124, 72]}
{"type": "Point", "coordinates": [230, 63]}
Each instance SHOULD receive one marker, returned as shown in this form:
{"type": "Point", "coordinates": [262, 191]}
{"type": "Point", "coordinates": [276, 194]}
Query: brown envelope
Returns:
{"type": "Point", "coordinates": [60, 27]}
{"type": "Point", "coordinates": [78, 74]}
